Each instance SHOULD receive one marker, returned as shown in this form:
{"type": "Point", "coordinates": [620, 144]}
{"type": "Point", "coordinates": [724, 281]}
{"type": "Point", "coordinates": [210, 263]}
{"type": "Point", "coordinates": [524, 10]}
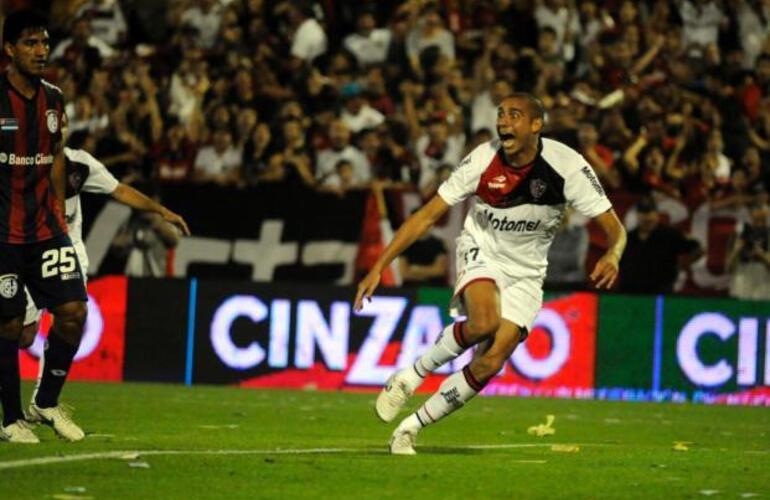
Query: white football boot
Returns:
{"type": "Point", "coordinates": [392, 398]}
{"type": "Point", "coordinates": [18, 432]}
{"type": "Point", "coordinates": [402, 440]}
{"type": "Point", "coordinates": [59, 418]}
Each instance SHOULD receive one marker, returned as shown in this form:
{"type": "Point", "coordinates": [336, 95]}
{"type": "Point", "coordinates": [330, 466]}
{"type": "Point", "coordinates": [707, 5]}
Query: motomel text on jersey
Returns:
{"type": "Point", "coordinates": [38, 159]}
{"type": "Point", "coordinates": [487, 219]}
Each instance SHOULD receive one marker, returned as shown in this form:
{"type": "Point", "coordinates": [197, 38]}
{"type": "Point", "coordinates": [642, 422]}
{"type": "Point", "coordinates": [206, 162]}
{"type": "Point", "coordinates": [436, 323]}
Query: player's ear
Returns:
{"type": "Point", "coordinates": [8, 49]}
{"type": "Point", "coordinates": [537, 125]}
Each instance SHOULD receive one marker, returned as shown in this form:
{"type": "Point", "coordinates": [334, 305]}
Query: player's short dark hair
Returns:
{"type": "Point", "coordinates": [534, 105]}
{"type": "Point", "coordinates": [19, 21]}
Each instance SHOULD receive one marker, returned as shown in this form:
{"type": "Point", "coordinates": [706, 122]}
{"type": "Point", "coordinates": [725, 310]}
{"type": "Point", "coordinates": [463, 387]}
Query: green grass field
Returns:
{"type": "Point", "coordinates": [217, 442]}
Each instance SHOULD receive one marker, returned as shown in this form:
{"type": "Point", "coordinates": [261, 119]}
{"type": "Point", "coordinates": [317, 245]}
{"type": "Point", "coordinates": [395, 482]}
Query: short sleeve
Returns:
{"type": "Point", "coordinates": [99, 179]}
{"type": "Point", "coordinates": [584, 192]}
{"type": "Point", "coordinates": [460, 184]}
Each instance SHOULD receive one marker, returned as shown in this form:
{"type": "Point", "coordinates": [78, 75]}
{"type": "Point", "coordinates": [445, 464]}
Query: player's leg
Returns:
{"type": "Point", "coordinates": [481, 301]}
{"type": "Point", "coordinates": [57, 285]}
{"type": "Point", "coordinates": [460, 387]}
{"type": "Point", "coordinates": [12, 305]}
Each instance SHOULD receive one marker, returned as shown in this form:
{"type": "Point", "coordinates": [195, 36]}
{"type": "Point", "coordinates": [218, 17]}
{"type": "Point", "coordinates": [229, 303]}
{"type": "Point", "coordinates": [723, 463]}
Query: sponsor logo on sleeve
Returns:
{"type": "Point", "coordinates": [589, 173]}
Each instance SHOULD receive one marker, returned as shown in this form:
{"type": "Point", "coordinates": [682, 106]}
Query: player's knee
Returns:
{"type": "Point", "coordinates": [71, 316]}
{"type": "Point", "coordinates": [27, 336]}
{"type": "Point", "coordinates": [483, 324]}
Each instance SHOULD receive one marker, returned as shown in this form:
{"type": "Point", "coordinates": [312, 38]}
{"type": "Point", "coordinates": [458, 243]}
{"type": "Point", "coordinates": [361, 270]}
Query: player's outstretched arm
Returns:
{"type": "Point", "coordinates": [138, 200]}
{"type": "Point", "coordinates": [414, 227]}
{"type": "Point", "coordinates": [606, 271]}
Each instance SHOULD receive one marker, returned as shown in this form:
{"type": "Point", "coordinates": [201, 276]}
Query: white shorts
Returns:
{"type": "Point", "coordinates": [33, 314]}
{"type": "Point", "coordinates": [520, 298]}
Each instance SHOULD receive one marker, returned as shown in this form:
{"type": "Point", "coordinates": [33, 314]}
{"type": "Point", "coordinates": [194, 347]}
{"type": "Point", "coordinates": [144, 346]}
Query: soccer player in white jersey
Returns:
{"type": "Point", "coordinates": [86, 173]}
{"type": "Point", "coordinates": [521, 185]}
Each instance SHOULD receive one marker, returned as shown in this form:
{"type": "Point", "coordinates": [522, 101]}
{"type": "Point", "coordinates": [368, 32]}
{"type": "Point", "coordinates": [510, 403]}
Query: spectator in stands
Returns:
{"type": "Point", "coordinates": [256, 156]}
{"type": "Point", "coordinates": [107, 20]}
{"type": "Point", "coordinates": [218, 162]}
{"type": "Point", "coordinates": [429, 31]}
{"type": "Point", "coordinates": [702, 21]}
{"type": "Point", "coordinates": [749, 257]}
{"type": "Point", "coordinates": [563, 21]}
{"type": "Point", "coordinates": [369, 44]}
{"type": "Point", "coordinates": [308, 38]}
{"type": "Point", "coordinates": [206, 17]}
{"type": "Point", "coordinates": [341, 148]}
{"type": "Point", "coordinates": [173, 157]}
{"type": "Point", "coordinates": [651, 262]}
{"type": "Point", "coordinates": [342, 180]}
{"type": "Point", "coordinates": [356, 112]}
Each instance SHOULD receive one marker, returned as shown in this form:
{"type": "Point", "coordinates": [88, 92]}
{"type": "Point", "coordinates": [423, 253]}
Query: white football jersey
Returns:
{"type": "Point", "coordinates": [84, 173]}
{"type": "Point", "coordinates": [517, 212]}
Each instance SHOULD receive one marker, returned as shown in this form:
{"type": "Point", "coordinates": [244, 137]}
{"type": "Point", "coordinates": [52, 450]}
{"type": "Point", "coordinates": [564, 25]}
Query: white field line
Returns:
{"type": "Point", "coordinates": [134, 454]}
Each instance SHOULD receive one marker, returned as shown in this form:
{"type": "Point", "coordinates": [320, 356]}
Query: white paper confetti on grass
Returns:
{"type": "Point", "coordinates": [214, 427]}
{"type": "Point", "coordinates": [749, 495]}
{"type": "Point", "coordinates": [130, 456]}
{"type": "Point", "coordinates": [565, 448]}
{"type": "Point", "coordinates": [74, 489]}
{"type": "Point", "coordinates": [139, 465]}
{"type": "Point", "coordinates": [545, 429]}
{"type": "Point", "coordinates": [709, 493]}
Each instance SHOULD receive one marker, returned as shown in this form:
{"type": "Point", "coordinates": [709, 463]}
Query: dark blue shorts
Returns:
{"type": "Point", "coordinates": [49, 269]}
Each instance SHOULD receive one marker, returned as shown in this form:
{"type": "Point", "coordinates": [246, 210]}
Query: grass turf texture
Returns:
{"type": "Point", "coordinates": [625, 448]}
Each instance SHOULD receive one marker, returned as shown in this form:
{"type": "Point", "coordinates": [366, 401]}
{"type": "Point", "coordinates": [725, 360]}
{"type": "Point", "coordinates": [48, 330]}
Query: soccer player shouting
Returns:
{"type": "Point", "coordinates": [521, 184]}
{"type": "Point", "coordinates": [35, 250]}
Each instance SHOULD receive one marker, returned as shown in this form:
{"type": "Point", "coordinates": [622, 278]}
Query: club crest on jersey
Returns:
{"type": "Point", "coordinates": [497, 183]}
{"type": "Point", "coordinates": [52, 120]}
{"type": "Point", "coordinates": [9, 286]}
{"type": "Point", "coordinates": [537, 187]}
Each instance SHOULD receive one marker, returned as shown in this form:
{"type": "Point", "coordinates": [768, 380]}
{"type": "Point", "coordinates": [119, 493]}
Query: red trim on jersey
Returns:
{"type": "Point", "coordinates": [499, 180]}
{"type": "Point", "coordinates": [16, 221]}
{"type": "Point", "coordinates": [42, 186]}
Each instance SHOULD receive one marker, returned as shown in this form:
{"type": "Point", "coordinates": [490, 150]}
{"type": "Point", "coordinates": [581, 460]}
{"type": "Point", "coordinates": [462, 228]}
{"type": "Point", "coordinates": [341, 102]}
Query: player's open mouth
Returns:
{"type": "Point", "coordinates": [507, 138]}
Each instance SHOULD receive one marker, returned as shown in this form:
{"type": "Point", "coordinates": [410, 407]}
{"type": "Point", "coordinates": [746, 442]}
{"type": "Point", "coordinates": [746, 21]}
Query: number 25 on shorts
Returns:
{"type": "Point", "coordinates": [58, 261]}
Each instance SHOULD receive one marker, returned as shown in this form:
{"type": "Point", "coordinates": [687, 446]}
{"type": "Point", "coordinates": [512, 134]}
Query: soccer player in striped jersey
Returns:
{"type": "Point", "coordinates": [521, 184]}
{"type": "Point", "coordinates": [35, 250]}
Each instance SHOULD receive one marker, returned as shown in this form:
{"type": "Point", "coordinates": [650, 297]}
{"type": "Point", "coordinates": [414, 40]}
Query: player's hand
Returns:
{"type": "Point", "coordinates": [176, 220]}
{"type": "Point", "coordinates": [606, 271]}
{"type": "Point", "coordinates": [366, 288]}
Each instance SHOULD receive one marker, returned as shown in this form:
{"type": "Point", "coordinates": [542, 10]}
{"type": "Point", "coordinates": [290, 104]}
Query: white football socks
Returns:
{"type": "Point", "coordinates": [454, 392]}
{"type": "Point", "coordinates": [449, 345]}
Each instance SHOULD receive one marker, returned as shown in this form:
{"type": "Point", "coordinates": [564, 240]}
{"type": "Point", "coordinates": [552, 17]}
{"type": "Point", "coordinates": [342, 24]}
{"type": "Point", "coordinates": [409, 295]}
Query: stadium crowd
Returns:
{"type": "Point", "coordinates": [664, 98]}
